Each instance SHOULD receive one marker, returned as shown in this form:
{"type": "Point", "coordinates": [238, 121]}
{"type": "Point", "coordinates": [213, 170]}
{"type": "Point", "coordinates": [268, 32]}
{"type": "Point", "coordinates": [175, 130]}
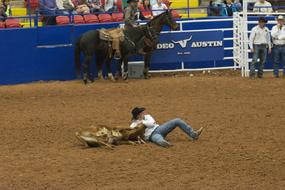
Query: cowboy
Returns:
{"type": "Point", "coordinates": [278, 37]}
{"type": "Point", "coordinates": [259, 42]}
{"type": "Point", "coordinates": [132, 14]}
{"type": "Point", "coordinates": [156, 133]}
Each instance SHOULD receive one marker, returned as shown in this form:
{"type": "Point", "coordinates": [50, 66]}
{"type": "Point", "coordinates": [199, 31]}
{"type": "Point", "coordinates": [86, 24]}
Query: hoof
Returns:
{"type": "Point", "coordinates": [125, 76]}
{"type": "Point", "coordinates": [85, 81]}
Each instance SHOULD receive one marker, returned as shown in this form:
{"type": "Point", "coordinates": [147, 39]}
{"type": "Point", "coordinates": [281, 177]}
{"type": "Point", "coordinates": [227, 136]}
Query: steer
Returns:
{"type": "Point", "coordinates": [106, 136]}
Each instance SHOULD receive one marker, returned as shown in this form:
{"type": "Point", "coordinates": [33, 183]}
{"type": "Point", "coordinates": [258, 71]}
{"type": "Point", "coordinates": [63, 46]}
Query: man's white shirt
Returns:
{"type": "Point", "coordinates": [259, 36]}
{"type": "Point", "coordinates": [278, 35]}
{"type": "Point", "coordinates": [150, 124]}
{"type": "Point", "coordinates": [265, 7]}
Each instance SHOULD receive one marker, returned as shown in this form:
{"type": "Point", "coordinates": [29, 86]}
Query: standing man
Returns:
{"type": "Point", "coordinates": [262, 6]}
{"type": "Point", "coordinates": [278, 37]}
{"type": "Point", "coordinates": [132, 14]}
{"type": "Point", "coordinates": [259, 42]}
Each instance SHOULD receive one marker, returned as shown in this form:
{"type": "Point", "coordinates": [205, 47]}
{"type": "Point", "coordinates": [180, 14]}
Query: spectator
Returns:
{"type": "Point", "coordinates": [214, 8]}
{"type": "Point", "coordinates": [110, 5]}
{"type": "Point", "coordinates": [278, 37]}
{"type": "Point", "coordinates": [250, 4]}
{"type": "Point", "coordinates": [146, 9]}
{"type": "Point", "coordinates": [95, 6]}
{"type": "Point", "coordinates": [153, 2]}
{"type": "Point", "coordinates": [158, 8]}
{"type": "Point", "coordinates": [238, 4]}
{"type": "Point", "coordinates": [7, 7]}
{"type": "Point", "coordinates": [48, 10]}
{"type": "Point", "coordinates": [229, 8]}
{"type": "Point", "coordinates": [64, 6]}
{"type": "Point", "coordinates": [262, 6]}
{"type": "Point", "coordinates": [82, 7]}
{"type": "Point", "coordinates": [259, 42]}
{"type": "Point", "coordinates": [132, 14]}
{"type": "Point", "coordinates": [3, 15]}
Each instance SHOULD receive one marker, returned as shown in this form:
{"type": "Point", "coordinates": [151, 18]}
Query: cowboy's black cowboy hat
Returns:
{"type": "Point", "coordinates": [262, 19]}
{"type": "Point", "coordinates": [136, 111]}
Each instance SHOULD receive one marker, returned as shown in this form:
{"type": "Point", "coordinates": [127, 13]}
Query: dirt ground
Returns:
{"type": "Point", "coordinates": [242, 146]}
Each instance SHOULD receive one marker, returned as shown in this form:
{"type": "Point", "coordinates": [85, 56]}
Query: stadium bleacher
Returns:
{"type": "Point", "coordinates": [20, 9]}
{"type": "Point", "coordinates": [91, 18]}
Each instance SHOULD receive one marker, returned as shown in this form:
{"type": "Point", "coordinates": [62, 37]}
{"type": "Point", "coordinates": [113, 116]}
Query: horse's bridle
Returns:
{"type": "Point", "coordinates": [169, 21]}
{"type": "Point", "coordinates": [150, 36]}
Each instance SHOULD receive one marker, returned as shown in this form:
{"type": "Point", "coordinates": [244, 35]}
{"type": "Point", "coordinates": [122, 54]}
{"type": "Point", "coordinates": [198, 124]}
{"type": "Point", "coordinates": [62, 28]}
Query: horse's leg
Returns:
{"type": "Point", "coordinates": [147, 58]}
{"type": "Point", "coordinates": [109, 69]}
{"type": "Point", "coordinates": [119, 69]}
{"type": "Point", "coordinates": [85, 67]}
{"type": "Point", "coordinates": [99, 64]}
{"type": "Point", "coordinates": [125, 68]}
{"type": "Point", "coordinates": [89, 74]}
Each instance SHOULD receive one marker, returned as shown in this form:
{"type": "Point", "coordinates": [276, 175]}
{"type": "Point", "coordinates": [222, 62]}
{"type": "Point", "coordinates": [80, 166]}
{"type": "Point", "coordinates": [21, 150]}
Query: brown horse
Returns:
{"type": "Point", "coordinates": [91, 44]}
{"type": "Point", "coordinates": [157, 23]}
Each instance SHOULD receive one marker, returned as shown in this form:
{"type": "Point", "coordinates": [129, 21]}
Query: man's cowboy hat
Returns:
{"type": "Point", "coordinates": [280, 17]}
{"type": "Point", "coordinates": [136, 111]}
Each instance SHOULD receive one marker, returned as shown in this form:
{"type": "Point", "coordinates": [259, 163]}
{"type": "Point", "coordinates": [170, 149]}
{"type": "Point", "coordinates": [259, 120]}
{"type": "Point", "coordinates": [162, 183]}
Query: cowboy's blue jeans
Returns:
{"type": "Point", "coordinates": [279, 57]}
{"type": "Point", "coordinates": [158, 136]}
{"type": "Point", "coordinates": [260, 52]}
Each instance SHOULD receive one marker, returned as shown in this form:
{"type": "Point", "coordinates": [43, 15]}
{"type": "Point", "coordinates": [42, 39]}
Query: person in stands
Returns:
{"type": "Point", "coordinates": [48, 9]}
{"type": "Point", "coordinates": [7, 7]}
{"type": "Point", "coordinates": [262, 6]}
{"type": "Point", "coordinates": [95, 6]}
{"type": "Point", "coordinates": [145, 8]}
{"type": "Point", "coordinates": [238, 4]}
{"type": "Point", "coordinates": [65, 7]}
{"type": "Point", "coordinates": [229, 8]}
{"type": "Point", "coordinates": [110, 5]}
{"type": "Point", "coordinates": [3, 15]}
{"type": "Point", "coordinates": [278, 37]}
{"type": "Point", "coordinates": [132, 14]}
{"type": "Point", "coordinates": [157, 133]}
{"type": "Point", "coordinates": [82, 7]}
{"type": "Point", "coordinates": [215, 7]}
{"type": "Point", "coordinates": [158, 8]}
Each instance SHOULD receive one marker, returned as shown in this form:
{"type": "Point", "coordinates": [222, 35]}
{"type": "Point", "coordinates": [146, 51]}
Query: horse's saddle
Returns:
{"type": "Point", "coordinates": [111, 34]}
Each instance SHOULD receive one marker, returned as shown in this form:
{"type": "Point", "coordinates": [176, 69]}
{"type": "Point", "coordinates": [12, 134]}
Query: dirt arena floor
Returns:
{"type": "Point", "coordinates": [242, 146]}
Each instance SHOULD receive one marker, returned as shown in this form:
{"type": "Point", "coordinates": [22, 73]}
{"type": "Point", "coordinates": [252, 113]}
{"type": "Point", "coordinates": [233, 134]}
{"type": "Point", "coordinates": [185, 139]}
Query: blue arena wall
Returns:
{"type": "Point", "coordinates": [46, 53]}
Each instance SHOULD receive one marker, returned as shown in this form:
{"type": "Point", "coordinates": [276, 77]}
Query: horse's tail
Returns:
{"type": "Point", "coordinates": [77, 52]}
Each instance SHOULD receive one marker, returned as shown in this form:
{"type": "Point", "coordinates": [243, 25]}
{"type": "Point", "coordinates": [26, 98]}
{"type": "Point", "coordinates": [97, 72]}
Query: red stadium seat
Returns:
{"type": "Point", "coordinates": [62, 20]}
{"type": "Point", "coordinates": [91, 19]}
{"type": "Point", "coordinates": [2, 24]}
{"type": "Point", "coordinates": [175, 14]}
{"type": "Point", "coordinates": [12, 23]}
{"type": "Point", "coordinates": [78, 19]}
{"type": "Point", "coordinates": [118, 17]}
{"type": "Point", "coordinates": [105, 18]}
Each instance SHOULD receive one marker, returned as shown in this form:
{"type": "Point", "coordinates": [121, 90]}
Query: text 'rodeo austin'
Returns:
{"type": "Point", "coordinates": [183, 44]}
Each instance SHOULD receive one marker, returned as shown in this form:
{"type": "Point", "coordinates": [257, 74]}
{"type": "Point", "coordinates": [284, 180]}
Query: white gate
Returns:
{"type": "Point", "coordinates": [241, 36]}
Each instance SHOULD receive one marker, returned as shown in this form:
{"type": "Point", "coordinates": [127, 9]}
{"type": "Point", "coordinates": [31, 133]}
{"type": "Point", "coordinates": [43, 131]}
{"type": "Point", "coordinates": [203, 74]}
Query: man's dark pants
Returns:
{"type": "Point", "coordinates": [260, 52]}
{"type": "Point", "coordinates": [279, 57]}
